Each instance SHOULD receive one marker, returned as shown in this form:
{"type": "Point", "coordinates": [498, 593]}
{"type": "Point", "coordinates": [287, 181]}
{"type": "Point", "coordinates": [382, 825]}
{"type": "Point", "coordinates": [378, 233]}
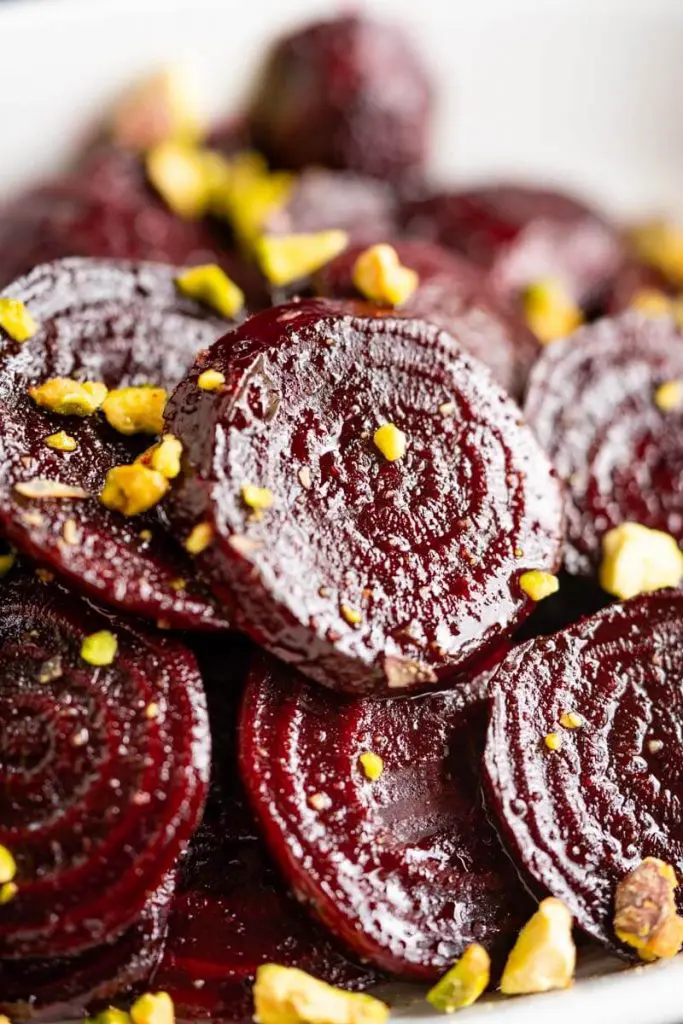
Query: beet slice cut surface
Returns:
{"type": "Point", "coordinates": [591, 403]}
{"type": "Point", "coordinates": [123, 324]}
{"type": "Point", "coordinates": [578, 819]}
{"type": "Point", "coordinates": [405, 869]}
{"type": "Point", "coordinates": [455, 295]}
{"type": "Point", "coordinates": [368, 575]}
{"type": "Point", "coordinates": [104, 769]}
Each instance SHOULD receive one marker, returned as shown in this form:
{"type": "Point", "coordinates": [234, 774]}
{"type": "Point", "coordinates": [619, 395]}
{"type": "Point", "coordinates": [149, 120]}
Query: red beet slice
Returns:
{"type": "Point", "coordinates": [348, 93]}
{"type": "Point", "coordinates": [522, 234]}
{"type": "Point", "coordinates": [405, 870]}
{"type": "Point", "coordinates": [65, 988]}
{"type": "Point", "coordinates": [580, 818]}
{"type": "Point", "coordinates": [454, 295]}
{"type": "Point", "coordinates": [427, 549]}
{"type": "Point", "coordinates": [591, 404]}
{"type": "Point", "coordinates": [124, 324]}
{"type": "Point", "coordinates": [104, 770]}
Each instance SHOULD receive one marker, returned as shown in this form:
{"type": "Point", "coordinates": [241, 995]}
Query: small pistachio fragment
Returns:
{"type": "Point", "coordinates": [660, 244]}
{"type": "Point", "coordinates": [637, 560]}
{"type": "Point", "coordinates": [645, 914]}
{"type": "Point", "coordinates": [669, 395]}
{"type": "Point", "coordinates": [7, 892]}
{"type": "Point", "coordinates": [7, 561]}
{"type": "Point", "coordinates": [259, 498]}
{"type": "Point", "coordinates": [372, 765]}
{"type": "Point", "coordinates": [164, 456]}
{"type": "Point", "coordinates": [69, 397]}
{"type": "Point", "coordinates": [153, 1008]}
{"type": "Point", "coordinates": [99, 648]}
{"type": "Point", "coordinates": [390, 441]}
{"type": "Point", "coordinates": [350, 615]}
{"type": "Point", "coordinates": [538, 585]}
{"type": "Point", "coordinates": [571, 720]}
{"type": "Point", "coordinates": [251, 194]}
{"type": "Point", "coordinates": [135, 410]}
{"type": "Point", "coordinates": [163, 107]}
{"type": "Point", "coordinates": [212, 286]}
{"type": "Point", "coordinates": [651, 302]}
{"type": "Point", "coordinates": [549, 311]}
{"type": "Point", "coordinates": [40, 489]}
{"type": "Point", "coordinates": [379, 275]}
{"type": "Point", "coordinates": [544, 955]}
{"type": "Point", "coordinates": [210, 380]}
{"type": "Point", "coordinates": [8, 866]}
{"type": "Point", "coordinates": [199, 539]}
{"type": "Point", "coordinates": [16, 320]}
{"type": "Point", "coordinates": [178, 173]}
{"type": "Point", "coordinates": [553, 741]}
{"type": "Point", "coordinates": [464, 983]}
{"type": "Point", "coordinates": [109, 1016]}
{"type": "Point", "coordinates": [61, 442]}
{"type": "Point", "coordinates": [133, 489]}
{"type": "Point", "coordinates": [288, 258]}
{"type": "Point", "coordinates": [286, 995]}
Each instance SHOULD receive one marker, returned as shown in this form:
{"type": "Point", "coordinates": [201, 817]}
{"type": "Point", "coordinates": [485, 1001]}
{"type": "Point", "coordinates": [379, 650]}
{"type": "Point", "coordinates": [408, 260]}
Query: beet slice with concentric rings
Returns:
{"type": "Point", "coordinates": [579, 818]}
{"type": "Point", "coordinates": [104, 769]}
{"type": "Point", "coordinates": [369, 575]}
{"type": "Point", "coordinates": [404, 869]}
{"type": "Point", "coordinates": [592, 403]}
{"type": "Point", "coordinates": [66, 988]}
{"type": "Point", "coordinates": [453, 294]}
{"type": "Point", "coordinates": [122, 324]}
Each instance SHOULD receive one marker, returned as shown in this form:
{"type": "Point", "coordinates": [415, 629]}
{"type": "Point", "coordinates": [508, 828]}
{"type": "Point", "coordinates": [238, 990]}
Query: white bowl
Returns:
{"type": "Point", "coordinates": [587, 93]}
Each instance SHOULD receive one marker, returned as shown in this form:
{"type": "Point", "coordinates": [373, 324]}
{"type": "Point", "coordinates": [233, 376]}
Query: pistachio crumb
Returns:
{"type": "Point", "coordinates": [8, 865]}
{"type": "Point", "coordinates": [646, 916]}
{"type": "Point", "coordinates": [390, 441]}
{"type": "Point", "coordinates": [447, 409]}
{"type": "Point", "coordinates": [50, 670]}
{"type": "Point", "coordinates": [199, 538]}
{"type": "Point", "coordinates": [550, 312]}
{"type": "Point", "coordinates": [161, 107]}
{"type": "Point", "coordinates": [44, 575]}
{"type": "Point", "coordinates": [464, 983]}
{"type": "Point", "coordinates": [152, 711]}
{"type": "Point", "coordinates": [70, 532]}
{"type": "Point", "coordinates": [669, 395]}
{"type": "Point", "coordinates": [145, 536]}
{"type": "Point", "coordinates": [553, 741]}
{"type": "Point", "coordinates": [61, 442]}
{"type": "Point", "coordinates": [372, 765]}
{"type": "Point", "coordinates": [538, 585]}
{"type": "Point", "coordinates": [132, 490]}
{"type": "Point", "coordinates": [210, 380]}
{"type": "Point", "coordinates": [259, 498]}
{"type": "Point", "coordinates": [571, 720]}
{"type": "Point", "coordinates": [68, 397]}
{"type": "Point", "coordinates": [379, 275]}
{"type": "Point", "coordinates": [288, 258]}
{"type": "Point", "coordinates": [153, 1008]}
{"type": "Point", "coordinates": [287, 995]}
{"type": "Point", "coordinates": [6, 562]}
{"type": "Point", "coordinates": [16, 320]}
{"type": "Point", "coordinates": [99, 648]}
{"type": "Point", "coordinates": [178, 585]}
{"type": "Point", "coordinates": [135, 410]}
{"type": "Point", "coordinates": [40, 489]}
{"type": "Point", "coordinates": [212, 286]}
{"type": "Point", "coordinates": [178, 173]}
{"type": "Point", "coordinates": [7, 892]}
{"type": "Point", "coordinates": [638, 560]}
{"type": "Point", "coordinates": [660, 244]}
{"type": "Point", "coordinates": [651, 302]}
{"type": "Point", "coordinates": [655, 746]}
{"type": "Point", "coordinates": [164, 457]}
{"type": "Point", "coordinates": [544, 955]}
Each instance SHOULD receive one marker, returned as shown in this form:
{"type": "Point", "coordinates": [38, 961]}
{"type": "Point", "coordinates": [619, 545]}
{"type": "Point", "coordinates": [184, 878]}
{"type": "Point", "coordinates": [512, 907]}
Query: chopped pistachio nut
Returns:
{"type": "Point", "coordinates": [251, 196]}
{"type": "Point", "coordinates": [462, 985]}
{"type": "Point", "coordinates": [210, 380]}
{"type": "Point", "coordinates": [16, 320]}
{"type": "Point", "coordinates": [538, 584]}
{"type": "Point", "coordinates": [288, 258]}
{"type": "Point", "coordinates": [153, 1008]}
{"type": "Point", "coordinates": [550, 312]}
{"type": "Point", "coordinates": [571, 720]}
{"type": "Point", "coordinates": [6, 562]}
{"type": "Point", "coordinates": [164, 456]}
{"type": "Point", "coordinates": [133, 489]}
{"type": "Point", "coordinates": [70, 532]}
{"type": "Point", "coordinates": [69, 397]}
{"type": "Point", "coordinates": [7, 892]}
{"type": "Point", "coordinates": [286, 995]}
{"type": "Point", "coordinates": [178, 173]}
{"type": "Point", "coordinates": [61, 442]}
{"type": "Point", "coordinates": [645, 915]}
{"type": "Point", "coordinates": [109, 1016]}
{"type": "Point", "coordinates": [136, 410]}
{"type": "Point", "coordinates": [99, 648]}
{"type": "Point", "coordinates": [40, 489]}
{"type": "Point", "coordinates": [391, 442]}
{"type": "Point", "coordinates": [544, 955]}
{"type": "Point", "coordinates": [199, 539]}
{"type": "Point", "coordinates": [553, 741]}
{"type": "Point", "coordinates": [258, 498]}
{"type": "Point", "coordinates": [163, 107]}
{"type": "Point", "coordinates": [350, 615]}
{"type": "Point", "coordinates": [212, 286]}
{"type": "Point", "coordinates": [661, 246]}
{"type": "Point", "coordinates": [378, 274]}
{"type": "Point", "coordinates": [637, 560]}
{"type": "Point", "coordinates": [372, 765]}
{"type": "Point", "coordinates": [669, 395]}
{"type": "Point", "coordinates": [652, 302]}
{"type": "Point", "coordinates": [8, 866]}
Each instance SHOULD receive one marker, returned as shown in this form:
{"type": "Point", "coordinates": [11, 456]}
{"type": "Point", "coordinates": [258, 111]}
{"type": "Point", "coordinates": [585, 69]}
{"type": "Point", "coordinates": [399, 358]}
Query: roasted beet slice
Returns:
{"type": "Point", "coordinates": [348, 93]}
{"type": "Point", "coordinates": [453, 294]}
{"type": "Point", "coordinates": [123, 324]}
{"type": "Point", "coordinates": [369, 575]}
{"type": "Point", "coordinates": [404, 869]}
{"type": "Point", "coordinates": [523, 234]}
{"type": "Point", "coordinates": [578, 819]}
{"type": "Point", "coordinates": [592, 404]}
{"type": "Point", "coordinates": [64, 988]}
{"type": "Point", "coordinates": [105, 769]}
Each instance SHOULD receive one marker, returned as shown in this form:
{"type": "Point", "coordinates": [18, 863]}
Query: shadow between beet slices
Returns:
{"type": "Point", "coordinates": [578, 819]}
{"type": "Point", "coordinates": [368, 575]}
{"type": "Point", "coordinates": [105, 770]}
{"type": "Point", "coordinates": [123, 324]}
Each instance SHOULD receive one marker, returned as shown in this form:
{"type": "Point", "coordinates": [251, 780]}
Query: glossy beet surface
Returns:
{"type": "Point", "coordinates": [426, 550]}
{"type": "Point", "coordinates": [454, 295]}
{"type": "Point", "coordinates": [348, 94]}
{"type": "Point", "coordinates": [122, 324]}
{"type": "Point", "coordinates": [104, 769]}
{"type": "Point", "coordinates": [579, 818]}
{"type": "Point", "coordinates": [64, 988]}
{"type": "Point", "coordinates": [591, 403]}
{"type": "Point", "coordinates": [405, 869]}
{"type": "Point", "coordinates": [522, 234]}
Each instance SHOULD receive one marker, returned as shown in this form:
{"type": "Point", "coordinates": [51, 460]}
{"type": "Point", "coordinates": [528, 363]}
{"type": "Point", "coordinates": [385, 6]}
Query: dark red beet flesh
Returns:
{"type": "Point", "coordinates": [522, 234]}
{"type": "Point", "coordinates": [428, 549]}
{"type": "Point", "coordinates": [577, 820]}
{"type": "Point", "coordinates": [65, 988]}
{"type": "Point", "coordinates": [100, 794]}
{"type": "Point", "coordinates": [405, 870]}
{"type": "Point", "coordinates": [454, 295]}
{"type": "Point", "coordinates": [348, 94]}
{"type": "Point", "coordinates": [122, 324]}
{"type": "Point", "coordinates": [591, 404]}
